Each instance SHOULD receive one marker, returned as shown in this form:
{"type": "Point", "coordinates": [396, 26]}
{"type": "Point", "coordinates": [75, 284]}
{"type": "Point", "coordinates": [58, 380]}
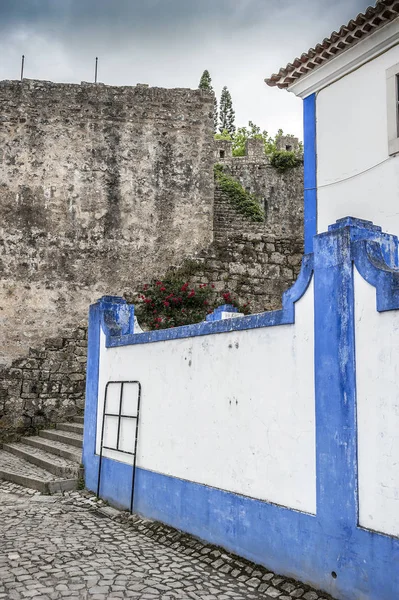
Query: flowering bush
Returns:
{"type": "Point", "coordinates": [174, 302]}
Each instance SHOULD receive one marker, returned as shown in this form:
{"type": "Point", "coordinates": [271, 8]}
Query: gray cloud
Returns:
{"type": "Point", "coordinates": [170, 42]}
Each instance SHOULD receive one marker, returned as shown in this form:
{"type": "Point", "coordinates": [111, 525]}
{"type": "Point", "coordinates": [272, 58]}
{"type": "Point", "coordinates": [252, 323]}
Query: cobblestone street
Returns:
{"type": "Point", "coordinates": [62, 546]}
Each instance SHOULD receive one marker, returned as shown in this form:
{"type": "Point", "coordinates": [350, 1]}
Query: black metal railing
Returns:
{"type": "Point", "coordinates": [120, 418]}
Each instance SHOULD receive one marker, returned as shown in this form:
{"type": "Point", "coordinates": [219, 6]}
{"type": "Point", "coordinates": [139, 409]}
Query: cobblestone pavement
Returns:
{"type": "Point", "coordinates": [71, 546]}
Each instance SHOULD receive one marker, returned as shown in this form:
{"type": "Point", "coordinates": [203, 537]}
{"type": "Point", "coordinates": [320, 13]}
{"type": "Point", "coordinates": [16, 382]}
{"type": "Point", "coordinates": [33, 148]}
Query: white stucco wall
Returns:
{"type": "Point", "coordinates": [234, 410]}
{"type": "Point", "coordinates": [377, 381]}
{"type": "Point", "coordinates": [352, 138]}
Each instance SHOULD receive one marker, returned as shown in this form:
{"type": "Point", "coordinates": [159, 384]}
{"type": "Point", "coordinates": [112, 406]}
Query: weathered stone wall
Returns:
{"type": "Point", "coordinates": [255, 264]}
{"type": "Point", "coordinates": [45, 386]}
{"type": "Point", "coordinates": [100, 188]}
{"type": "Point", "coordinates": [256, 261]}
{"type": "Point", "coordinates": [280, 194]}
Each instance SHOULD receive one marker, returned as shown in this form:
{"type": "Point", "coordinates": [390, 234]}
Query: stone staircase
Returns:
{"type": "Point", "coordinates": [49, 462]}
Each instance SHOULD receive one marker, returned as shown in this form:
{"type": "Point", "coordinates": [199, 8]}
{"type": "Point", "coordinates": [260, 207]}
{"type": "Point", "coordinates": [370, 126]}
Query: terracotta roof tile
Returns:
{"type": "Point", "coordinates": [348, 35]}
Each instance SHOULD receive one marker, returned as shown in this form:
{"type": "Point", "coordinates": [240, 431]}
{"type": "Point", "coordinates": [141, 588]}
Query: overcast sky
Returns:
{"type": "Point", "coordinates": [168, 43]}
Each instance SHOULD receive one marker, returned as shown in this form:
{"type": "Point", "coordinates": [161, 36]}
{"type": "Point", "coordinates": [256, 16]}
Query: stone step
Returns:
{"type": "Point", "coordinates": [56, 465]}
{"type": "Point", "coordinates": [73, 427]}
{"type": "Point", "coordinates": [73, 439]}
{"type": "Point", "coordinates": [78, 420]}
{"type": "Point", "coordinates": [17, 470]}
{"type": "Point", "coordinates": [58, 448]}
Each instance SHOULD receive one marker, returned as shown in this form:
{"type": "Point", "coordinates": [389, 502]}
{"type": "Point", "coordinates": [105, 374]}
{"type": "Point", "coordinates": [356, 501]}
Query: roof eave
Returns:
{"type": "Point", "coordinates": [342, 63]}
{"type": "Point", "coordinates": [355, 32]}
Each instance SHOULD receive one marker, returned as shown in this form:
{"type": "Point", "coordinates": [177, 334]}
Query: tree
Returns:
{"type": "Point", "coordinates": [206, 84]}
{"type": "Point", "coordinates": [206, 81]}
{"type": "Point", "coordinates": [226, 113]}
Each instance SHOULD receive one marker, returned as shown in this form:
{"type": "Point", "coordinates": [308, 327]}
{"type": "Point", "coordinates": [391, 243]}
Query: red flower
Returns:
{"type": "Point", "coordinates": [166, 303]}
{"type": "Point", "coordinates": [206, 303]}
{"type": "Point", "coordinates": [158, 283]}
{"type": "Point", "coordinates": [191, 294]}
{"type": "Point", "coordinates": [147, 300]}
{"type": "Point", "coordinates": [184, 287]}
{"type": "Point", "coordinates": [212, 286]}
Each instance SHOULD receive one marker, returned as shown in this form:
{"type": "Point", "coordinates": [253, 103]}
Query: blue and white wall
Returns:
{"type": "Point", "coordinates": [350, 108]}
{"type": "Point", "coordinates": [355, 173]}
{"type": "Point", "coordinates": [276, 435]}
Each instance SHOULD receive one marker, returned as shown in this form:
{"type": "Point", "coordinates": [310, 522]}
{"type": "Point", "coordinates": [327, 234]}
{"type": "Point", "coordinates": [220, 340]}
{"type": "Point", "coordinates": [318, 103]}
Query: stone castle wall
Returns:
{"type": "Point", "coordinates": [256, 261]}
{"type": "Point", "coordinates": [100, 187]}
{"type": "Point", "coordinates": [101, 190]}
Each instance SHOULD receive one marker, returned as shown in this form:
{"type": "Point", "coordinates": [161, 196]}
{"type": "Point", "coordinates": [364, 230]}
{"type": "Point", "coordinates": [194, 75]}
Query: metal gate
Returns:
{"type": "Point", "coordinates": [120, 416]}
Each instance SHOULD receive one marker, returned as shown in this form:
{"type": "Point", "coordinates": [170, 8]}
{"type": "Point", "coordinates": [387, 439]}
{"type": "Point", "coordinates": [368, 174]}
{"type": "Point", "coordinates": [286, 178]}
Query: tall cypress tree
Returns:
{"type": "Point", "coordinates": [226, 113]}
{"type": "Point", "coordinates": [206, 81]}
{"type": "Point", "coordinates": [206, 84]}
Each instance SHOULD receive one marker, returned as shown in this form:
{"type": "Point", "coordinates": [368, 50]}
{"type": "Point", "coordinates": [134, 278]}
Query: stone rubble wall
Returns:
{"type": "Point", "coordinates": [256, 261]}
{"type": "Point", "coordinates": [46, 386]}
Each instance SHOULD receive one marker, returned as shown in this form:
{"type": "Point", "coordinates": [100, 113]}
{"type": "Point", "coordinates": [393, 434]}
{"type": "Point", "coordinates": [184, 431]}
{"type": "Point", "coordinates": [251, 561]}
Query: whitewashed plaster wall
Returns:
{"type": "Point", "coordinates": [352, 141]}
{"type": "Point", "coordinates": [234, 410]}
{"type": "Point", "coordinates": [377, 382]}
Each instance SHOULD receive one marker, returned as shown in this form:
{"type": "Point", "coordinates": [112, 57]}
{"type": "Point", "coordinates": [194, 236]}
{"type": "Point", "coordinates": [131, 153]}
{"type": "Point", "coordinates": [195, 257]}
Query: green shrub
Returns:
{"type": "Point", "coordinates": [283, 160]}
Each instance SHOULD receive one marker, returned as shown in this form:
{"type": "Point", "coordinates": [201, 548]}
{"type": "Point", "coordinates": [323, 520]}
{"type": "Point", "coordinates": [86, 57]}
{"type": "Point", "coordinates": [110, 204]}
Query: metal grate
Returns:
{"type": "Point", "coordinates": [120, 417]}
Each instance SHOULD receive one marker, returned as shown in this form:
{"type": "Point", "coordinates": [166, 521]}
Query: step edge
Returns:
{"type": "Point", "coordinates": [42, 462]}
{"type": "Point", "coordinates": [43, 443]}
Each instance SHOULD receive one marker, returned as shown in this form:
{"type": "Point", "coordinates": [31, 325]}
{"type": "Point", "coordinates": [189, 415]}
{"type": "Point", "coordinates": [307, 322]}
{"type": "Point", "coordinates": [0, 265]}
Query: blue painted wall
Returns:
{"type": "Point", "coordinates": [310, 176]}
{"type": "Point", "coordinates": [310, 548]}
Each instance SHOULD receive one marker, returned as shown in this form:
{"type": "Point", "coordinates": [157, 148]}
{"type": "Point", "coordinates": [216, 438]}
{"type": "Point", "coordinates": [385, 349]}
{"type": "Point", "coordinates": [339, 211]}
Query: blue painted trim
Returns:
{"type": "Point", "coordinates": [372, 266]}
{"type": "Point", "coordinates": [266, 319]}
{"type": "Point", "coordinates": [117, 316]}
{"type": "Point", "coordinates": [216, 315]}
{"type": "Point", "coordinates": [89, 458]}
{"type": "Point", "coordinates": [335, 381]}
{"type": "Point", "coordinates": [310, 174]}
{"type": "Point", "coordinates": [375, 255]}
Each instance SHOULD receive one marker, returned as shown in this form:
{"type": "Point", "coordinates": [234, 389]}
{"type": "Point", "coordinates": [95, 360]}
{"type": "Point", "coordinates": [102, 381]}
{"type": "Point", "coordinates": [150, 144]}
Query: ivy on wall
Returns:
{"type": "Point", "coordinates": [245, 202]}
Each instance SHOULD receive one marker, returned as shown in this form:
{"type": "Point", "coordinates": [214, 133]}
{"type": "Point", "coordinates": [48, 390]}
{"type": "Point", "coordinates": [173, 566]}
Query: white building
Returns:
{"type": "Point", "coordinates": [349, 83]}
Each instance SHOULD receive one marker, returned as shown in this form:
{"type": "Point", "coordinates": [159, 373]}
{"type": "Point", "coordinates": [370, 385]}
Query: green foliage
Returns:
{"type": "Point", "coordinates": [283, 160]}
{"type": "Point", "coordinates": [205, 81]}
{"type": "Point", "coordinates": [206, 84]}
{"type": "Point", "coordinates": [226, 113]}
{"type": "Point", "coordinates": [243, 134]}
{"type": "Point", "coordinates": [245, 203]}
{"type": "Point", "coordinates": [280, 159]}
{"type": "Point", "coordinates": [173, 302]}
{"type": "Point", "coordinates": [223, 135]}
